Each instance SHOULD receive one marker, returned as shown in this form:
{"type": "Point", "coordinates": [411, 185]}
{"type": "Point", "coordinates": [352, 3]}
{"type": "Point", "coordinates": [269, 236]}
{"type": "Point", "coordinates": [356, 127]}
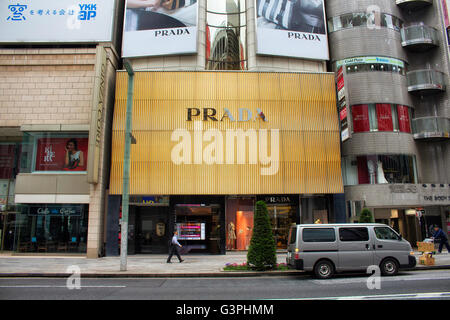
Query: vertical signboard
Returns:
{"type": "Point", "coordinates": [98, 100]}
{"type": "Point", "coordinates": [46, 21]}
{"type": "Point", "coordinates": [164, 28]}
{"type": "Point", "coordinates": [292, 28]}
{"type": "Point", "coordinates": [342, 104]}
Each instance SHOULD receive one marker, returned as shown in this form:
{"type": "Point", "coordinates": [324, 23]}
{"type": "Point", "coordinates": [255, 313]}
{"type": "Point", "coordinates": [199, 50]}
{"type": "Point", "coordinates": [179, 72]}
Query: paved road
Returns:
{"type": "Point", "coordinates": [407, 285]}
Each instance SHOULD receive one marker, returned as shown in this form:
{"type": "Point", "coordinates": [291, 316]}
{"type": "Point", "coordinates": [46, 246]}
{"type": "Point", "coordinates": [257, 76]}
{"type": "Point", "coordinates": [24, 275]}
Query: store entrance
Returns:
{"type": "Point", "coordinates": [151, 229]}
{"type": "Point", "coordinates": [281, 217]}
{"type": "Point", "coordinates": [198, 227]}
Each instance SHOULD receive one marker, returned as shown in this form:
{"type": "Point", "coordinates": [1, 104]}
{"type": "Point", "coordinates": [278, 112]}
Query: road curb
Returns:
{"type": "Point", "coordinates": [148, 275]}
{"type": "Point", "coordinates": [222, 274]}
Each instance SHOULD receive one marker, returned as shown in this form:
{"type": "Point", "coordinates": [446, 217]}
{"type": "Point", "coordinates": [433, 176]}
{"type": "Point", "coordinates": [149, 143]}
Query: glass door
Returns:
{"type": "Point", "coordinates": [281, 217]}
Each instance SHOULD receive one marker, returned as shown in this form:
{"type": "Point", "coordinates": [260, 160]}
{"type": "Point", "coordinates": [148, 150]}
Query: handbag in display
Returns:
{"type": "Point", "coordinates": [277, 11]}
{"type": "Point", "coordinates": [175, 4]}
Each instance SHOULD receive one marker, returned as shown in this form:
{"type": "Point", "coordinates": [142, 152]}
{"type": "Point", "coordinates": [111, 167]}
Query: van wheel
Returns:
{"type": "Point", "coordinates": [324, 269]}
{"type": "Point", "coordinates": [389, 267]}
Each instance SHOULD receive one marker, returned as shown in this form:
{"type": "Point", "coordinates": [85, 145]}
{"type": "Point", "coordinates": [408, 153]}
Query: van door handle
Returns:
{"type": "Point", "coordinates": [380, 246]}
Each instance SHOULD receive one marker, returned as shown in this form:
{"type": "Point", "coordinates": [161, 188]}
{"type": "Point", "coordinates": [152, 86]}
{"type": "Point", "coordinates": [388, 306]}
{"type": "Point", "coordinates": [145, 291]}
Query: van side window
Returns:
{"type": "Point", "coordinates": [353, 234]}
{"type": "Point", "coordinates": [292, 235]}
{"type": "Point", "coordinates": [385, 233]}
{"type": "Point", "coordinates": [319, 235]}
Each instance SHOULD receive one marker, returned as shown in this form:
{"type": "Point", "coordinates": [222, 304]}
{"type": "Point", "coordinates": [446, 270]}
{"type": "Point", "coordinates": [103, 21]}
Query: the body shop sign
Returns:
{"type": "Point", "coordinates": [47, 21]}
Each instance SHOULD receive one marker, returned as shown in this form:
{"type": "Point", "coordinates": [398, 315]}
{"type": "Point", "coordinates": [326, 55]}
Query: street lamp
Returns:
{"type": "Point", "coordinates": [126, 170]}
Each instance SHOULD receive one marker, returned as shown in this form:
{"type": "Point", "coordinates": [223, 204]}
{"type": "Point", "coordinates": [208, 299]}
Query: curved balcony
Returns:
{"type": "Point", "coordinates": [419, 37]}
{"type": "Point", "coordinates": [413, 5]}
{"type": "Point", "coordinates": [426, 81]}
{"type": "Point", "coordinates": [431, 128]}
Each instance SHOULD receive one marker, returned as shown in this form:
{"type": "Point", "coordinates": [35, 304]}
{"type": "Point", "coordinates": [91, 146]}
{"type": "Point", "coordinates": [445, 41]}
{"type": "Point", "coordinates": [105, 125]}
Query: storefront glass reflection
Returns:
{"type": "Point", "coordinates": [226, 35]}
{"type": "Point", "coordinates": [199, 227]}
{"type": "Point", "coordinates": [52, 228]}
{"type": "Point", "coordinates": [379, 169]}
{"type": "Point", "coordinates": [281, 217]}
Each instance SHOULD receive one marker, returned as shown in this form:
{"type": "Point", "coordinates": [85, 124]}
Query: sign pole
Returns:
{"type": "Point", "coordinates": [126, 170]}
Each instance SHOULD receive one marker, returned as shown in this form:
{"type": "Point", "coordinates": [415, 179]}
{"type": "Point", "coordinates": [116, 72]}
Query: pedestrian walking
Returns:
{"type": "Point", "coordinates": [173, 249]}
{"type": "Point", "coordinates": [442, 238]}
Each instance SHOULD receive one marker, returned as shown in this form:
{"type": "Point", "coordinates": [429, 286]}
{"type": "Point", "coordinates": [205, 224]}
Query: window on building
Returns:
{"type": "Point", "coordinates": [381, 117]}
{"type": "Point", "coordinates": [379, 169]}
{"type": "Point", "coordinates": [226, 47]}
{"type": "Point", "coordinates": [366, 19]}
{"type": "Point", "coordinates": [54, 151]}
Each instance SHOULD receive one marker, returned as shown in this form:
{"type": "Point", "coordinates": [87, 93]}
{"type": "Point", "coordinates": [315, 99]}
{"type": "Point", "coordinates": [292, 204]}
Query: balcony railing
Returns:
{"type": "Point", "coordinates": [412, 5]}
{"type": "Point", "coordinates": [419, 37]}
{"type": "Point", "coordinates": [432, 128]}
{"type": "Point", "coordinates": [426, 81]}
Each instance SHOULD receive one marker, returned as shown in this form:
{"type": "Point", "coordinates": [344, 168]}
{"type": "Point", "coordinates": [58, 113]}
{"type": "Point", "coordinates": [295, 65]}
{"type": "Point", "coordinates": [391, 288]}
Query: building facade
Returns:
{"type": "Point", "coordinates": [392, 65]}
{"type": "Point", "coordinates": [219, 124]}
{"type": "Point", "coordinates": [56, 98]}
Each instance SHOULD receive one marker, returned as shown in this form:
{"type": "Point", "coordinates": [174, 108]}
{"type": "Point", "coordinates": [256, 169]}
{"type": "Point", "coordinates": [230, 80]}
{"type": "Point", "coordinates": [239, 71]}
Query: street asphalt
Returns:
{"type": "Point", "coordinates": [431, 284]}
{"type": "Point", "coordinates": [195, 265]}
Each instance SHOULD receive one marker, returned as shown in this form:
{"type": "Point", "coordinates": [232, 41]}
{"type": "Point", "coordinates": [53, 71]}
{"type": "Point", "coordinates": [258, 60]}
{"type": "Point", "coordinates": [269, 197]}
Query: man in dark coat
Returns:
{"type": "Point", "coordinates": [442, 237]}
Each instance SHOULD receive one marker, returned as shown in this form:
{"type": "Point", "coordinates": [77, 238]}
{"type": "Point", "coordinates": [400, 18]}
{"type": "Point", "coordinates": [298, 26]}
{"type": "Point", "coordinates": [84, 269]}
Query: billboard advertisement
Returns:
{"type": "Point", "coordinates": [61, 154]}
{"type": "Point", "coordinates": [47, 21]}
{"type": "Point", "coordinates": [292, 28]}
{"type": "Point", "coordinates": [161, 27]}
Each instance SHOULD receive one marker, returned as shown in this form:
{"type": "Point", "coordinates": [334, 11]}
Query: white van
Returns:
{"type": "Point", "coordinates": [329, 248]}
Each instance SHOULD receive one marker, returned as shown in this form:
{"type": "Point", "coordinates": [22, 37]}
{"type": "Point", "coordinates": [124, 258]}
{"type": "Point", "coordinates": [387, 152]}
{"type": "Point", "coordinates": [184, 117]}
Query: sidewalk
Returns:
{"type": "Point", "coordinates": [195, 265]}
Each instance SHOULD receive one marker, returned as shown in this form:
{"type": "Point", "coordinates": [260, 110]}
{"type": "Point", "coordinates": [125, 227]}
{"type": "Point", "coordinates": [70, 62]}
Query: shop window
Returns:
{"type": "Point", "coordinates": [52, 228]}
{"type": "Point", "coordinates": [379, 169]}
{"type": "Point", "coordinates": [9, 156]}
{"type": "Point", "coordinates": [381, 117]}
{"type": "Point", "coordinates": [384, 117]}
{"type": "Point", "coordinates": [404, 119]}
{"type": "Point", "coordinates": [54, 152]}
{"type": "Point", "coordinates": [360, 114]}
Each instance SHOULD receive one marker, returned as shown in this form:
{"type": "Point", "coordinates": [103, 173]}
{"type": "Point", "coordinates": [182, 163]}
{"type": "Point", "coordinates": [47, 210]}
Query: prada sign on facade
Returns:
{"type": "Point", "coordinates": [229, 133]}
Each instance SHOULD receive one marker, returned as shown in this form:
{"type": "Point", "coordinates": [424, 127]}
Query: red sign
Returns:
{"type": "Point", "coordinates": [61, 154]}
{"type": "Point", "coordinates": [7, 155]}
{"type": "Point", "coordinates": [384, 117]}
{"type": "Point", "coordinates": [360, 115]}
{"type": "Point", "coordinates": [343, 113]}
{"type": "Point", "coordinates": [404, 124]}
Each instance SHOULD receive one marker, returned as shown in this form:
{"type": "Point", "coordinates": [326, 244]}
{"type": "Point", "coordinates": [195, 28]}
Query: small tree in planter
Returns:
{"type": "Point", "coordinates": [262, 252]}
{"type": "Point", "coordinates": [365, 216]}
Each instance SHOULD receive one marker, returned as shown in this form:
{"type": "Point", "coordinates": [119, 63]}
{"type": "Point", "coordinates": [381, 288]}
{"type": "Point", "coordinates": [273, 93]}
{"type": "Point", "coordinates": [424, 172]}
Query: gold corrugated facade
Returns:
{"type": "Point", "coordinates": [301, 105]}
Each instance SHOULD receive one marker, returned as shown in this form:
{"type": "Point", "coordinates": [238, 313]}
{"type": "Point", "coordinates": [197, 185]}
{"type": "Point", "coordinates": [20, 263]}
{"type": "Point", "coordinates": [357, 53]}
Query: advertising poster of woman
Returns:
{"type": "Point", "coordinates": [61, 154]}
{"type": "Point", "coordinates": [159, 27]}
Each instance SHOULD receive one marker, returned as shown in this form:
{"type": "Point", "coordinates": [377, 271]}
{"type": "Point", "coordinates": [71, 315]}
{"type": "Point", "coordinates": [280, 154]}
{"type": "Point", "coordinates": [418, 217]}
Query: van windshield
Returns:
{"type": "Point", "coordinates": [386, 233]}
